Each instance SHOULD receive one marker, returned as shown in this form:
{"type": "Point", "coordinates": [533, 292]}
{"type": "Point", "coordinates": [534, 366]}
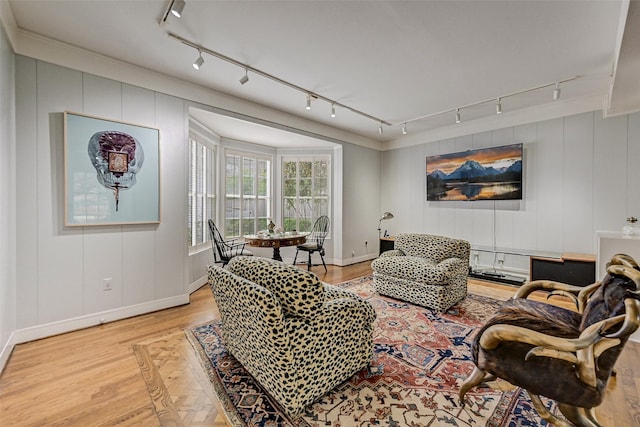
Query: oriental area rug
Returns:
{"type": "Point", "coordinates": [420, 360]}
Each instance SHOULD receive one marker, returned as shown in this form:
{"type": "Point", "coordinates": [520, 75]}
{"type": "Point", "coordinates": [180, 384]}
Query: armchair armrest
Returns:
{"type": "Point", "coordinates": [453, 264]}
{"type": "Point", "coordinates": [392, 252]}
{"type": "Point", "coordinates": [337, 299]}
{"type": "Point", "coordinates": [332, 292]}
{"type": "Point", "coordinates": [577, 294]}
{"type": "Point", "coordinates": [338, 307]}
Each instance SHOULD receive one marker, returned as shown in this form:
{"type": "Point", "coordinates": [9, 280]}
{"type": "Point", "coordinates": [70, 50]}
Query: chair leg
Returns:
{"type": "Point", "coordinates": [477, 376]}
{"type": "Point", "coordinates": [582, 417]}
{"type": "Point", "coordinates": [296, 257]}
{"type": "Point", "coordinates": [322, 258]}
{"type": "Point", "coordinates": [309, 262]}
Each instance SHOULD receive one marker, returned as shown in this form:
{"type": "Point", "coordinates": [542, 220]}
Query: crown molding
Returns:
{"type": "Point", "coordinates": [63, 54]}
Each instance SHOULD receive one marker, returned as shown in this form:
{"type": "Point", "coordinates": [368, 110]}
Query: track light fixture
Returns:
{"type": "Point", "coordinates": [273, 78]}
{"type": "Point", "coordinates": [498, 104]}
{"type": "Point", "coordinates": [176, 8]}
{"type": "Point", "coordinates": [179, 5]}
{"type": "Point", "coordinates": [244, 78]}
{"type": "Point", "coordinates": [199, 61]}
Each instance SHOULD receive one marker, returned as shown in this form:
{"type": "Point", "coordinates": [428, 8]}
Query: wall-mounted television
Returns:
{"type": "Point", "coordinates": [485, 174]}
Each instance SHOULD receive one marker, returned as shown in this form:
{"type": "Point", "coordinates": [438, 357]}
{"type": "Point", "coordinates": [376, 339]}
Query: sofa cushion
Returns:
{"type": "Point", "coordinates": [411, 268]}
{"type": "Point", "coordinates": [300, 292]}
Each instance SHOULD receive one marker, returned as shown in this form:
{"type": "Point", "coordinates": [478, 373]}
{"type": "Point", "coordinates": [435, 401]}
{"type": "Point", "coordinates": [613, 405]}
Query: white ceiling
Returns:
{"type": "Point", "coordinates": [395, 60]}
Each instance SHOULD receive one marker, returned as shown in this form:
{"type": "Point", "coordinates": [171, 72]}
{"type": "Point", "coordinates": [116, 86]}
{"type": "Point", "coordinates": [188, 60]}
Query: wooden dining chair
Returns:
{"type": "Point", "coordinates": [315, 241]}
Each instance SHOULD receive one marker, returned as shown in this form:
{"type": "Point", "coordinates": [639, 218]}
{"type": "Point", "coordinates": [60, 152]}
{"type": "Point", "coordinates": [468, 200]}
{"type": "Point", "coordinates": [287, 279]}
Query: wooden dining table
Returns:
{"type": "Point", "coordinates": [275, 241]}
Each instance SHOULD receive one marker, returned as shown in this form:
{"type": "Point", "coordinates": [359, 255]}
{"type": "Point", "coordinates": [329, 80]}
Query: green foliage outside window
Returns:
{"type": "Point", "coordinates": [305, 191]}
{"type": "Point", "coordinates": [247, 200]}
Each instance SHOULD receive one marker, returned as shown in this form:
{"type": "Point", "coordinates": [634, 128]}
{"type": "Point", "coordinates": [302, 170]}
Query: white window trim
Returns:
{"type": "Point", "coordinates": [213, 145]}
{"type": "Point", "coordinates": [249, 153]}
{"type": "Point", "coordinates": [309, 155]}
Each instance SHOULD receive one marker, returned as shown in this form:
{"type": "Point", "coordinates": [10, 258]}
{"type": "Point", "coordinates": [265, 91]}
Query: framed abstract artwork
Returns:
{"type": "Point", "coordinates": [112, 172]}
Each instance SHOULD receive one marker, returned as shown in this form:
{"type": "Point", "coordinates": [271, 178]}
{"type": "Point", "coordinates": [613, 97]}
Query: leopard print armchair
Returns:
{"type": "Point", "coordinates": [424, 269]}
{"type": "Point", "coordinates": [298, 337]}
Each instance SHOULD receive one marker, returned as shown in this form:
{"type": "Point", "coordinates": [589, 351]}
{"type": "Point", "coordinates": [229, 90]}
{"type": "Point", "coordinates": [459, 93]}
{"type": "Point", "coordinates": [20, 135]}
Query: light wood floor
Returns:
{"type": "Point", "coordinates": [92, 378]}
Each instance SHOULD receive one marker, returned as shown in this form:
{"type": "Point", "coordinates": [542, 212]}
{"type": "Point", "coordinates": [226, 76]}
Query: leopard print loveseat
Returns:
{"type": "Point", "coordinates": [297, 336]}
{"type": "Point", "coordinates": [424, 269]}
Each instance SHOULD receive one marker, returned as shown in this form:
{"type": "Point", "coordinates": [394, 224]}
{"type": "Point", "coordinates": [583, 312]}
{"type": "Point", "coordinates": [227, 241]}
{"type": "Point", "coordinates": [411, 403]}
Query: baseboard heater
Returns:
{"type": "Point", "coordinates": [496, 276]}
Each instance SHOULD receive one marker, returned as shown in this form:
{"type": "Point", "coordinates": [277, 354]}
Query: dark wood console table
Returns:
{"type": "Point", "coordinates": [573, 269]}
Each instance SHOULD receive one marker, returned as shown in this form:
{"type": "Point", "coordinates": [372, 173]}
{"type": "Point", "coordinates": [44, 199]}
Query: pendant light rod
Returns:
{"type": "Point", "coordinates": [457, 109]}
{"type": "Point", "coordinates": [273, 78]}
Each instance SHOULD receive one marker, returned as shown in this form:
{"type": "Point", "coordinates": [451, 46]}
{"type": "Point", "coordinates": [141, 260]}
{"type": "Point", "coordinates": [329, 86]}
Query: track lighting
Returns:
{"type": "Point", "coordinates": [176, 8]}
{"type": "Point", "coordinates": [199, 61]}
{"type": "Point", "coordinates": [244, 78]}
{"type": "Point", "coordinates": [178, 5]}
{"type": "Point", "coordinates": [556, 92]}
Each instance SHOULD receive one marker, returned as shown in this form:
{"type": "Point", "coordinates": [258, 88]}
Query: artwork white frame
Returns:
{"type": "Point", "coordinates": [112, 172]}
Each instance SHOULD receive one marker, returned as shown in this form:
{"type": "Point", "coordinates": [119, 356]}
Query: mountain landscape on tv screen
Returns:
{"type": "Point", "coordinates": [495, 175]}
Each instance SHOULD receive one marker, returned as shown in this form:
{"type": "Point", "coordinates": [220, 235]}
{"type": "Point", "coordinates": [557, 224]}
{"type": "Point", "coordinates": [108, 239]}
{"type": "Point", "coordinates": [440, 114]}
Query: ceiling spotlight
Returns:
{"type": "Point", "coordinates": [499, 107]}
{"type": "Point", "coordinates": [244, 78]}
{"type": "Point", "coordinates": [458, 120]}
{"type": "Point", "coordinates": [556, 92]}
{"type": "Point", "coordinates": [309, 101]}
{"type": "Point", "coordinates": [176, 8]}
{"type": "Point", "coordinates": [333, 110]}
{"type": "Point", "coordinates": [404, 129]}
{"type": "Point", "coordinates": [199, 61]}
{"type": "Point", "coordinates": [380, 130]}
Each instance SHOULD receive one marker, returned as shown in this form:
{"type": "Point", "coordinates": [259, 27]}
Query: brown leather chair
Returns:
{"type": "Point", "coordinates": [564, 355]}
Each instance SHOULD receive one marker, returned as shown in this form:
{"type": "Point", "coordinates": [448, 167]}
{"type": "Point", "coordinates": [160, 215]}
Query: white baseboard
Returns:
{"type": "Point", "coordinates": [197, 284]}
{"type": "Point", "coordinates": [81, 322]}
{"type": "Point", "coordinates": [355, 259]}
{"type": "Point", "coordinates": [6, 351]}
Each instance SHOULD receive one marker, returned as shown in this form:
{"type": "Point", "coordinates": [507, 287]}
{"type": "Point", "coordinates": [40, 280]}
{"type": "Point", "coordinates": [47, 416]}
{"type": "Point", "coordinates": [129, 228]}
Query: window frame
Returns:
{"type": "Point", "coordinates": [266, 200]}
{"type": "Point", "coordinates": [313, 158]}
{"type": "Point", "coordinates": [209, 193]}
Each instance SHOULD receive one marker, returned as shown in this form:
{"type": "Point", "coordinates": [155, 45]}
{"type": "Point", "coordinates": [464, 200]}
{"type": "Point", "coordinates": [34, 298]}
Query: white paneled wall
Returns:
{"type": "Point", "coordinates": [61, 270]}
{"type": "Point", "coordinates": [359, 204]}
{"type": "Point", "coordinates": [579, 177]}
{"type": "Point", "coordinates": [7, 196]}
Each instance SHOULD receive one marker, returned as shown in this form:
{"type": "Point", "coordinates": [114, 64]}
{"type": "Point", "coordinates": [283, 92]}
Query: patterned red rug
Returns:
{"type": "Point", "coordinates": [420, 360]}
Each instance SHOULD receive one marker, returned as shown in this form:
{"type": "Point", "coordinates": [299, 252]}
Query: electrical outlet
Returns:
{"type": "Point", "coordinates": [365, 244]}
{"type": "Point", "coordinates": [107, 284]}
{"type": "Point", "coordinates": [353, 253]}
